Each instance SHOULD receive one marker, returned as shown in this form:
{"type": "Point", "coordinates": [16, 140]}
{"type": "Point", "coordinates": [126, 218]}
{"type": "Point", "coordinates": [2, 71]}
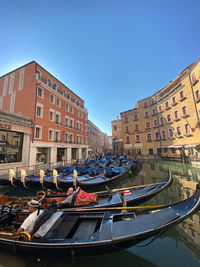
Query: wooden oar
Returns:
{"type": "Point", "coordinates": [114, 208]}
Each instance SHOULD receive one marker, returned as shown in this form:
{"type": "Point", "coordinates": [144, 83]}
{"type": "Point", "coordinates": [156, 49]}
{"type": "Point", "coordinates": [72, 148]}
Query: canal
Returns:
{"type": "Point", "coordinates": [177, 247]}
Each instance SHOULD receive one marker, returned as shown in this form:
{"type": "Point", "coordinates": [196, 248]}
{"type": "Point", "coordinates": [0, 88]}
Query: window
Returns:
{"type": "Point", "coordinates": [187, 129]}
{"type": "Point", "coordinates": [49, 82]}
{"type": "Point", "coordinates": [168, 118]}
{"type": "Point", "coordinates": [146, 114]}
{"type": "Point", "coordinates": [72, 110]}
{"type": "Point", "coordinates": [39, 110]}
{"type": "Point", "coordinates": [21, 79]}
{"type": "Point", "coordinates": [66, 121]}
{"type": "Point", "coordinates": [137, 139]}
{"type": "Point", "coordinates": [171, 133]}
{"type": "Point", "coordinates": [127, 140]}
{"type": "Point", "coordinates": [152, 101]}
{"type": "Point", "coordinates": [160, 108]}
{"type": "Point", "coordinates": [148, 125]}
{"type": "Point", "coordinates": [136, 127]}
{"type": "Point", "coordinates": [166, 105]}
{"type": "Point", "coordinates": [182, 95]}
{"type": "Point", "coordinates": [135, 117]}
{"type": "Point", "coordinates": [67, 107]}
{"type": "Point", "coordinates": [154, 112]}
{"type": "Point", "coordinates": [149, 137]}
{"type": "Point", "coordinates": [176, 115]}
{"type": "Point", "coordinates": [51, 134]}
{"type": "Point", "coordinates": [40, 92]}
{"type": "Point", "coordinates": [145, 105]}
{"type": "Point", "coordinates": [115, 128]}
{"type": "Point", "coordinates": [173, 101]}
{"type": "Point", "coordinates": [184, 111]}
{"type": "Point", "coordinates": [86, 140]}
{"type": "Point", "coordinates": [51, 115]}
{"type": "Point", "coordinates": [163, 135]}
{"type": "Point", "coordinates": [155, 123]}
{"type": "Point", "coordinates": [194, 79]}
{"type": "Point", "coordinates": [126, 129]}
{"type": "Point", "coordinates": [126, 119]}
{"type": "Point", "coordinates": [157, 136]}
{"type": "Point", "coordinates": [178, 131]}
{"type": "Point", "coordinates": [197, 94]}
{"type": "Point", "coordinates": [161, 121]}
{"type": "Point", "coordinates": [11, 83]}
{"type": "Point", "coordinates": [66, 138]}
{"type": "Point", "coordinates": [58, 102]}
{"type": "Point", "coordinates": [71, 124]}
{"type": "Point", "coordinates": [38, 132]}
{"type": "Point", "coordinates": [5, 86]}
{"type": "Point", "coordinates": [58, 118]}
{"type": "Point", "coordinates": [52, 99]}
{"type": "Point", "coordinates": [57, 136]}
{"type": "Point", "coordinates": [55, 86]}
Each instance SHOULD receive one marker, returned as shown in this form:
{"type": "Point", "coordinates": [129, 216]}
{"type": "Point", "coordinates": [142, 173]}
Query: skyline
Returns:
{"type": "Point", "coordinates": [110, 53]}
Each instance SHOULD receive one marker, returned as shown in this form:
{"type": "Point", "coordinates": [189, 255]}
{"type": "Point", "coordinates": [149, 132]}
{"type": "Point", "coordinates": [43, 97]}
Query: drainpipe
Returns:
{"type": "Point", "coordinates": [194, 101]}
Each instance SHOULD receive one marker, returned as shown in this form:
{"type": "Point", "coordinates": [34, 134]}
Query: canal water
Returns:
{"type": "Point", "coordinates": [177, 247]}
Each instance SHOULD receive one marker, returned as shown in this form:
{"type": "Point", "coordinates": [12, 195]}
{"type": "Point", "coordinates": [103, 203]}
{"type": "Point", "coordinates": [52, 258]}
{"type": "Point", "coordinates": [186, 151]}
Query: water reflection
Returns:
{"type": "Point", "coordinates": [177, 247]}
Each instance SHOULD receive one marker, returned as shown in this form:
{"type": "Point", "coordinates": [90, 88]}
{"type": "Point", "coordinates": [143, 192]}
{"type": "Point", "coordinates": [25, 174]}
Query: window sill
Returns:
{"type": "Point", "coordinates": [178, 119]}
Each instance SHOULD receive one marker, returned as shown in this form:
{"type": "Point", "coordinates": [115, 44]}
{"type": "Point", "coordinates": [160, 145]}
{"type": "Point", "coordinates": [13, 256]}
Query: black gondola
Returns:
{"type": "Point", "coordinates": [117, 197]}
{"type": "Point", "coordinates": [81, 232]}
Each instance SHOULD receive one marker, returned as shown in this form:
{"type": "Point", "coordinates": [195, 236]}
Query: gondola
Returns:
{"type": "Point", "coordinates": [93, 175]}
{"type": "Point", "coordinates": [84, 233]}
{"type": "Point", "coordinates": [109, 198]}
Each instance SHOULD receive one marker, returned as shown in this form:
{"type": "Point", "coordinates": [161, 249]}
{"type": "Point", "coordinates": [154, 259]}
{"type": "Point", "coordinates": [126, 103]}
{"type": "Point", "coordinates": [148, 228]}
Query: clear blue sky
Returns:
{"type": "Point", "coordinates": [111, 53]}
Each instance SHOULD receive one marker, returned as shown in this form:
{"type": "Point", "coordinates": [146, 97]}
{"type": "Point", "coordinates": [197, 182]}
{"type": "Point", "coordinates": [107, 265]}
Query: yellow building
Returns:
{"type": "Point", "coordinates": [166, 124]}
{"type": "Point", "coordinates": [117, 141]}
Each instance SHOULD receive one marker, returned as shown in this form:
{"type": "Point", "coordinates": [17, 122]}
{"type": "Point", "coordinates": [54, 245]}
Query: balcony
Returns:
{"type": "Point", "coordinates": [154, 114]}
{"type": "Point", "coordinates": [57, 141]}
{"type": "Point", "coordinates": [155, 126]}
{"type": "Point", "coordinates": [157, 139]}
{"type": "Point", "coordinates": [188, 134]}
{"type": "Point", "coordinates": [174, 104]}
{"type": "Point", "coordinates": [171, 137]}
{"type": "Point", "coordinates": [194, 82]}
{"type": "Point", "coordinates": [149, 140]}
{"type": "Point", "coordinates": [179, 136]}
{"type": "Point", "coordinates": [58, 123]}
{"type": "Point", "coordinates": [169, 122]}
{"type": "Point", "coordinates": [176, 119]}
{"type": "Point", "coordinates": [147, 128]}
{"type": "Point", "coordinates": [58, 90]}
{"type": "Point", "coordinates": [197, 100]}
{"type": "Point", "coordinates": [162, 124]}
{"type": "Point", "coordinates": [185, 116]}
{"type": "Point", "coordinates": [182, 98]}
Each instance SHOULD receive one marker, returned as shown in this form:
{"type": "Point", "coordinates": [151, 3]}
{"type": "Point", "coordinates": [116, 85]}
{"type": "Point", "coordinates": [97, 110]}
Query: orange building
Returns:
{"type": "Point", "coordinates": [58, 115]}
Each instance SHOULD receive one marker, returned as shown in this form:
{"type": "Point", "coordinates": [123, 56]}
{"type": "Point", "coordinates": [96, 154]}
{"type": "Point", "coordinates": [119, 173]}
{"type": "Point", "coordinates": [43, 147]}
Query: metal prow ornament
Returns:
{"type": "Point", "coordinates": [11, 176]}
{"type": "Point", "coordinates": [55, 179]}
{"type": "Point", "coordinates": [42, 178]}
{"type": "Point", "coordinates": [23, 177]}
{"type": "Point", "coordinates": [75, 174]}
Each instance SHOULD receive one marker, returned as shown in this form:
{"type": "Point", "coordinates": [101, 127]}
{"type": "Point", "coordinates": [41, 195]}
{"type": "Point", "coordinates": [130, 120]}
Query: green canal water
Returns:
{"type": "Point", "coordinates": [177, 247]}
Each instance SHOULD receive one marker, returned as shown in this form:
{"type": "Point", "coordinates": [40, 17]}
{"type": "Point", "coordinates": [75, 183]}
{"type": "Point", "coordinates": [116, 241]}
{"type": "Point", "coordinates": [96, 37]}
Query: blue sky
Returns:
{"type": "Point", "coordinates": [111, 53]}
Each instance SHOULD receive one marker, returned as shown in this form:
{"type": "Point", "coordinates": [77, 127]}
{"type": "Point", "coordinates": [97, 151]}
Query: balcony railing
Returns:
{"type": "Point", "coordinates": [60, 91]}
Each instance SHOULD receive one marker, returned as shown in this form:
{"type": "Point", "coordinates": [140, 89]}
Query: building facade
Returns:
{"type": "Point", "coordinates": [58, 115]}
{"type": "Point", "coordinates": [117, 139]}
{"type": "Point", "coordinates": [95, 139]}
{"type": "Point", "coordinates": [166, 124]}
